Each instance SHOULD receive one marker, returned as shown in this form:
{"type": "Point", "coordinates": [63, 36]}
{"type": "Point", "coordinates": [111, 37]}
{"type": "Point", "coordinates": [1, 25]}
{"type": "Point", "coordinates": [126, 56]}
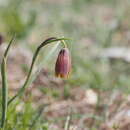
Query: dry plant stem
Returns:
{"type": "Point", "coordinates": [4, 85]}
{"type": "Point", "coordinates": [68, 120]}
{"type": "Point", "coordinates": [67, 123]}
{"type": "Point", "coordinates": [96, 109]}
{"type": "Point", "coordinates": [22, 89]}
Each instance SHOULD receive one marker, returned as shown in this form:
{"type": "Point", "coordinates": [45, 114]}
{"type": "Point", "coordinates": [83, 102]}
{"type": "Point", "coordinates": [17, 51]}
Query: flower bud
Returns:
{"type": "Point", "coordinates": [1, 39]}
{"type": "Point", "coordinates": [63, 64]}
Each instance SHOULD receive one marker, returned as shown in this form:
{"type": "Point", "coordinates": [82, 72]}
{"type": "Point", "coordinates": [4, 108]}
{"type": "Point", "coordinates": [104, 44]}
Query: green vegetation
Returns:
{"type": "Point", "coordinates": [93, 26]}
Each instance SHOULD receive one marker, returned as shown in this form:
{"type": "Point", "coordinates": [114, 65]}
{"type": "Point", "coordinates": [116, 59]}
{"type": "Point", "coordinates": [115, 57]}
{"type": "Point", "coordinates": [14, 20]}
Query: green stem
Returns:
{"type": "Point", "coordinates": [4, 84]}
{"type": "Point", "coordinates": [28, 78]}
{"type": "Point", "coordinates": [4, 92]}
{"type": "Point", "coordinates": [22, 89]}
{"type": "Point", "coordinates": [8, 47]}
{"type": "Point", "coordinates": [64, 43]}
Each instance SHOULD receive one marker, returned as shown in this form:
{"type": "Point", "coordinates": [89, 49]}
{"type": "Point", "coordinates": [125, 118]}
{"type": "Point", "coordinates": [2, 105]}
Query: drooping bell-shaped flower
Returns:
{"type": "Point", "coordinates": [63, 64]}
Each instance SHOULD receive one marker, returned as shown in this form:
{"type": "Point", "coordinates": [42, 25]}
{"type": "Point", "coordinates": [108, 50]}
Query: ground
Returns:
{"type": "Point", "coordinates": [96, 95]}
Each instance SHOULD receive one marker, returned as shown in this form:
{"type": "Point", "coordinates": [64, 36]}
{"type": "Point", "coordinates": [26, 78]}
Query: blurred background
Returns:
{"type": "Point", "coordinates": [96, 95]}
